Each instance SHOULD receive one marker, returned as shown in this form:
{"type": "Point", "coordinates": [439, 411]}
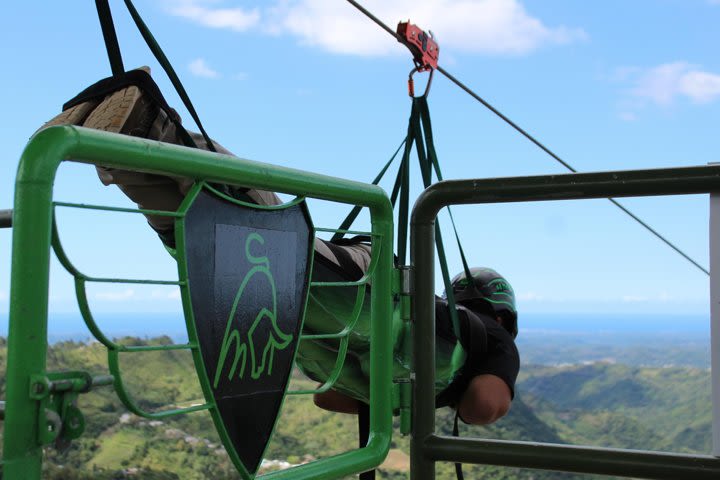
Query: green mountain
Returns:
{"type": "Point", "coordinates": [595, 404]}
{"type": "Point", "coordinates": [626, 407]}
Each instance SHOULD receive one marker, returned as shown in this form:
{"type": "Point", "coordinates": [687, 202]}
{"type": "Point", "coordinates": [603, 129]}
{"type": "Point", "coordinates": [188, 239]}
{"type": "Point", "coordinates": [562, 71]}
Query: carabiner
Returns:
{"type": "Point", "coordinates": [411, 82]}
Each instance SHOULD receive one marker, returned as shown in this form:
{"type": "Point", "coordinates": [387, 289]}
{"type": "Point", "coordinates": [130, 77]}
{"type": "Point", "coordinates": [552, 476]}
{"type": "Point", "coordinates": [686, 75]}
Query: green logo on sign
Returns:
{"type": "Point", "coordinates": [277, 339]}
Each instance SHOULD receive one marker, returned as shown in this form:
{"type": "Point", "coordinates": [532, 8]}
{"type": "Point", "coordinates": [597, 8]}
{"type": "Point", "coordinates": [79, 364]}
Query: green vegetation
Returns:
{"type": "Point", "coordinates": [594, 404]}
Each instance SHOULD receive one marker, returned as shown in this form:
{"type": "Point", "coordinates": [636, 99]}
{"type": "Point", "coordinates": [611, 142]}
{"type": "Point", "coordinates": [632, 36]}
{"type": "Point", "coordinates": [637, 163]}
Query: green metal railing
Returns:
{"type": "Point", "coordinates": [39, 403]}
{"type": "Point", "coordinates": [427, 447]}
{"type": "Point", "coordinates": [35, 406]}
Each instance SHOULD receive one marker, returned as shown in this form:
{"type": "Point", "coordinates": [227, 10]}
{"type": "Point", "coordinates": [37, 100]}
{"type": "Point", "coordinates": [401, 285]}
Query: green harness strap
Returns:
{"type": "Point", "coordinates": [427, 158]}
{"type": "Point", "coordinates": [419, 134]}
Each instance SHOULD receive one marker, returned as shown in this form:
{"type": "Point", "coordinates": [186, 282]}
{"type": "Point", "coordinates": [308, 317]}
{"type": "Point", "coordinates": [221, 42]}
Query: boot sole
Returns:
{"type": "Point", "coordinates": [126, 111]}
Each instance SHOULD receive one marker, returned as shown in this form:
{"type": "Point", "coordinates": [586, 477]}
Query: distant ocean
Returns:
{"type": "Point", "coordinates": [661, 324]}
{"type": "Point", "coordinates": [612, 327]}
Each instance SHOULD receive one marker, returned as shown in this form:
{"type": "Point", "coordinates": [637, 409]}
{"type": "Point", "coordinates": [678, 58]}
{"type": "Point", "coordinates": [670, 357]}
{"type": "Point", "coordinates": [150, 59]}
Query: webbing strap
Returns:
{"type": "Point", "coordinates": [402, 234]}
{"type": "Point", "coordinates": [456, 433]}
{"type": "Point", "coordinates": [347, 223]}
{"type": "Point", "coordinates": [425, 148]}
{"type": "Point", "coordinates": [110, 37]}
{"type": "Point", "coordinates": [115, 57]}
{"type": "Point", "coordinates": [165, 64]}
{"type": "Point", "coordinates": [432, 155]}
{"type": "Point", "coordinates": [419, 134]}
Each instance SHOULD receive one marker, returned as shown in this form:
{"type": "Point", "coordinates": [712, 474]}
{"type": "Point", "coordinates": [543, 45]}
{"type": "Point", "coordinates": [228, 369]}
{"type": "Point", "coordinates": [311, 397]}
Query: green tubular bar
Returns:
{"type": "Point", "coordinates": [32, 234]}
{"type": "Point", "coordinates": [115, 348]}
{"type": "Point", "coordinates": [114, 366]}
{"type": "Point", "coordinates": [342, 350]}
{"type": "Point", "coordinates": [85, 206]}
{"type": "Point", "coordinates": [426, 446]}
{"type": "Point", "coordinates": [343, 334]}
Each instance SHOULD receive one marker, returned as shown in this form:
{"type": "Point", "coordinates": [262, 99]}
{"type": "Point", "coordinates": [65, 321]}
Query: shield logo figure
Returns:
{"type": "Point", "coordinates": [247, 273]}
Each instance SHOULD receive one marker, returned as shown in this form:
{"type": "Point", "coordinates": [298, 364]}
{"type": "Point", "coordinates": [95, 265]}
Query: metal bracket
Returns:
{"type": "Point", "coordinates": [405, 290]}
{"type": "Point", "coordinates": [59, 419]}
{"type": "Point", "coordinates": [402, 400]}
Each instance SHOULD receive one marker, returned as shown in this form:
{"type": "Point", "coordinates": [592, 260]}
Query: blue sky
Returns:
{"type": "Point", "coordinates": [315, 85]}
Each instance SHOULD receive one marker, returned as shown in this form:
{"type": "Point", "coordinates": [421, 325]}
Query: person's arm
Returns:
{"type": "Point", "coordinates": [489, 393]}
{"type": "Point", "coordinates": [486, 400]}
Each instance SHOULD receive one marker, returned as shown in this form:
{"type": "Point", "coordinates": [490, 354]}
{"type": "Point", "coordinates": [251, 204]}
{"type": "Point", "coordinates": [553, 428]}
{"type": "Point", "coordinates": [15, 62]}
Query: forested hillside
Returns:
{"type": "Point", "coordinates": [593, 404]}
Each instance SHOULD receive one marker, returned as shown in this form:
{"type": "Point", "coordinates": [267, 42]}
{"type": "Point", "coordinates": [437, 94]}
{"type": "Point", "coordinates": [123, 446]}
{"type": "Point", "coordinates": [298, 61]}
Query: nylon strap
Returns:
{"type": "Point", "coordinates": [110, 37]}
{"type": "Point", "coordinates": [347, 223]}
{"type": "Point", "coordinates": [404, 200]}
{"type": "Point", "coordinates": [456, 433]}
{"type": "Point", "coordinates": [427, 127]}
{"type": "Point", "coordinates": [419, 134]}
{"type": "Point", "coordinates": [165, 64]}
{"type": "Point", "coordinates": [425, 151]}
{"type": "Point", "coordinates": [115, 57]}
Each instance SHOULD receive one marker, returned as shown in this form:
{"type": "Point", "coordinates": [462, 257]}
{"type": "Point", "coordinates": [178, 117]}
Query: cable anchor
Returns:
{"type": "Point", "coordinates": [425, 51]}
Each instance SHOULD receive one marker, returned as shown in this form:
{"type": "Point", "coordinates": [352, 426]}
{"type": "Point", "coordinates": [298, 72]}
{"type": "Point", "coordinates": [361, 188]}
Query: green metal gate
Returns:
{"type": "Point", "coordinates": [40, 406]}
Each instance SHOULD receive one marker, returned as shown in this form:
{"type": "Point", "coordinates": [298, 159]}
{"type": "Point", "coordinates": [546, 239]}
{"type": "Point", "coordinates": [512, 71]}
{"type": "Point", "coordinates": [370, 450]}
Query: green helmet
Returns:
{"type": "Point", "coordinates": [491, 290]}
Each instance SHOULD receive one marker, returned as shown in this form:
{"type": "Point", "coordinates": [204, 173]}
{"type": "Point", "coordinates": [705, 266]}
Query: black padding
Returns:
{"type": "Point", "coordinates": [248, 274]}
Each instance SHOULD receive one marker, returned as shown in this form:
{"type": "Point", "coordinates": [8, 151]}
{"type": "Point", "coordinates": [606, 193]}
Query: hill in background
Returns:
{"type": "Point", "coordinates": [600, 403]}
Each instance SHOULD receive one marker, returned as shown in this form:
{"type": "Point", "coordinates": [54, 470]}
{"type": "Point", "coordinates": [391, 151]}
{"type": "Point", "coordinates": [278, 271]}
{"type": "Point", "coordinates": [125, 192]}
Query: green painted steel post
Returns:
{"type": "Point", "coordinates": [422, 260]}
{"type": "Point", "coordinates": [423, 314]}
{"type": "Point", "coordinates": [27, 332]}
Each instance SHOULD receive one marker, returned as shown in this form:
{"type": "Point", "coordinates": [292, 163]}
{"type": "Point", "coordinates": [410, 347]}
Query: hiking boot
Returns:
{"type": "Point", "coordinates": [132, 111]}
{"type": "Point", "coordinates": [129, 111]}
{"type": "Point", "coordinates": [125, 111]}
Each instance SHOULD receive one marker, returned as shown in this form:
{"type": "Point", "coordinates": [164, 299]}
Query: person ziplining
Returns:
{"type": "Point", "coordinates": [482, 307]}
{"type": "Point", "coordinates": [477, 358]}
{"type": "Point", "coordinates": [477, 362]}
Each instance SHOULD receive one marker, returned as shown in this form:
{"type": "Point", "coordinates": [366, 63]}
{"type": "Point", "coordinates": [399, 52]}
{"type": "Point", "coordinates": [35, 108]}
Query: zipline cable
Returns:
{"type": "Point", "coordinates": [520, 130]}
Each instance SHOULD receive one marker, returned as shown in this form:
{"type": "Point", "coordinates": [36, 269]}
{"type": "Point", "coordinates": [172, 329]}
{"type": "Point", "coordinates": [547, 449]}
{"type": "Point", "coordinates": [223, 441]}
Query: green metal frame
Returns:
{"type": "Point", "coordinates": [427, 447]}
{"type": "Point", "coordinates": [30, 388]}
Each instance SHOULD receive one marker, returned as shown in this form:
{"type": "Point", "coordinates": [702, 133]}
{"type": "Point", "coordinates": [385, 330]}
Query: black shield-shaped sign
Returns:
{"type": "Point", "coordinates": [248, 274]}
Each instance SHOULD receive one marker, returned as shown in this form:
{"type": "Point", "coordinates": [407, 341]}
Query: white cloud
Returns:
{"type": "Point", "coordinates": [665, 83]}
{"type": "Point", "coordinates": [476, 26]}
{"type": "Point", "coordinates": [628, 116]}
{"type": "Point", "coordinates": [201, 12]}
{"type": "Point", "coordinates": [3, 295]}
{"type": "Point", "coordinates": [200, 68]}
{"type": "Point", "coordinates": [165, 294]}
{"type": "Point", "coordinates": [116, 296]}
{"type": "Point", "coordinates": [530, 297]}
{"type": "Point", "coordinates": [634, 299]}
{"type": "Point", "coordinates": [662, 297]}
{"type": "Point", "coordinates": [702, 87]}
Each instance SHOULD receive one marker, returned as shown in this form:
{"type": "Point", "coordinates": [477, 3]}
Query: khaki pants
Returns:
{"type": "Point", "coordinates": [160, 192]}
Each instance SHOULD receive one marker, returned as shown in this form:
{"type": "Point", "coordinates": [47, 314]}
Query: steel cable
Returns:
{"type": "Point", "coordinates": [520, 130]}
